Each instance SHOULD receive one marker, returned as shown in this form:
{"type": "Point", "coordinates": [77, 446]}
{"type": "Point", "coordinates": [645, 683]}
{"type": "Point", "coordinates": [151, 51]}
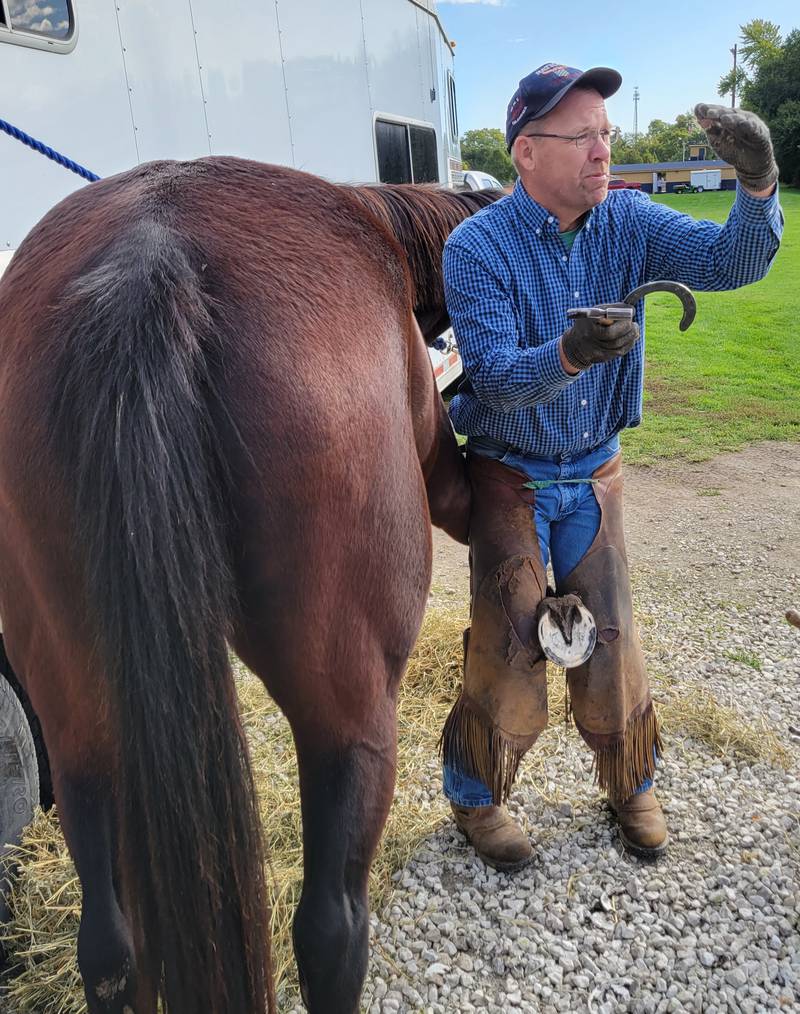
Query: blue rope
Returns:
{"type": "Point", "coordinates": [20, 135]}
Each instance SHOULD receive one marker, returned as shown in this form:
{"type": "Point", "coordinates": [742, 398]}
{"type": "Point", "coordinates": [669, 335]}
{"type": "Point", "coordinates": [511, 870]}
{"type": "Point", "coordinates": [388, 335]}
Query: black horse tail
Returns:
{"type": "Point", "coordinates": [134, 407]}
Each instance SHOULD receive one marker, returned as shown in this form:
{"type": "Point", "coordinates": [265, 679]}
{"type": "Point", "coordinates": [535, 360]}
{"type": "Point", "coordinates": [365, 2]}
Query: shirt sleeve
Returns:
{"type": "Point", "coordinates": [706, 255]}
{"type": "Point", "coordinates": [504, 374]}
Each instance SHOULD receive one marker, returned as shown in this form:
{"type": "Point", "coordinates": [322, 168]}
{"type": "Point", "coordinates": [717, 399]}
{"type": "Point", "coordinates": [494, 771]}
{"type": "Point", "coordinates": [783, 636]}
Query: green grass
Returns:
{"type": "Point", "coordinates": [747, 658]}
{"type": "Point", "coordinates": [733, 377]}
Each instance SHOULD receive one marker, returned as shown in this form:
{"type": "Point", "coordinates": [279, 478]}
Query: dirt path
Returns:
{"type": "Point", "coordinates": [732, 523]}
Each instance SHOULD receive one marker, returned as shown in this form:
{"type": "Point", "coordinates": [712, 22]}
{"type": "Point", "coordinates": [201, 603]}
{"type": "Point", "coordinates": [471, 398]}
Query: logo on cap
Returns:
{"type": "Point", "coordinates": [559, 70]}
{"type": "Point", "coordinates": [517, 110]}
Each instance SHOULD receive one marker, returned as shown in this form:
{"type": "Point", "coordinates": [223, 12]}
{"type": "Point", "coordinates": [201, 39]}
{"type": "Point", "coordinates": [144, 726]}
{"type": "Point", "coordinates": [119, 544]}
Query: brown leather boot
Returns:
{"type": "Point", "coordinates": [642, 827]}
{"type": "Point", "coordinates": [495, 836]}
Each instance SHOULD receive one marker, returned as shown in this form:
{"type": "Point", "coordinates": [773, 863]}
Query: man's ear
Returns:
{"type": "Point", "coordinates": [525, 153]}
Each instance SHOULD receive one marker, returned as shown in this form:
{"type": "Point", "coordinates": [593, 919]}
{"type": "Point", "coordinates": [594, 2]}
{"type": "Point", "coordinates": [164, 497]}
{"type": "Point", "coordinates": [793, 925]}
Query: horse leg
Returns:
{"type": "Point", "coordinates": [105, 947]}
{"type": "Point", "coordinates": [346, 790]}
{"type": "Point", "coordinates": [46, 642]}
{"type": "Point", "coordinates": [338, 690]}
{"type": "Point", "coordinates": [443, 467]}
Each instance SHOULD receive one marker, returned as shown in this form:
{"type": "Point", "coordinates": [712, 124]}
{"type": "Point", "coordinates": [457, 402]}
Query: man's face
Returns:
{"type": "Point", "coordinates": [558, 174]}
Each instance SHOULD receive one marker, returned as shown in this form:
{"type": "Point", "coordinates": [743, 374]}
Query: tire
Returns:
{"type": "Point", "coordinates": [45, 779]}
{"type": "Point", "coordinates": [699, 190]}
{"type": "Point", "coordinates": [19, 777]}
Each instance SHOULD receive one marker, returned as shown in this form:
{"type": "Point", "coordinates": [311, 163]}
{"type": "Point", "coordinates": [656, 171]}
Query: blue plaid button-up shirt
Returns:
{"type": "Point", "coordinates": [509, 282]}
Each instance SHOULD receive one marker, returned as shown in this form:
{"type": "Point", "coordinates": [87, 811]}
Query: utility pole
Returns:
{"type": "Point", "coordinates": [635, 112]}
{"type": "Point", "coordinates": [733, 90]}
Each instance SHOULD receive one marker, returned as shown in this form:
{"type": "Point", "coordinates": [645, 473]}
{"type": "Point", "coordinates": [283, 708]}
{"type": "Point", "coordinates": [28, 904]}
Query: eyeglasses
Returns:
{"type": "Point", "coordinates": [587, 138]}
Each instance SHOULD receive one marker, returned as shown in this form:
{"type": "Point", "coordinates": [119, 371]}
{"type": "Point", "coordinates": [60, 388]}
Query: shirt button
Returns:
{"type": "Point", "coordinates": [551, 219]}
{"type": "Point", "coordinates": [585, 436]}
{"type": "Point", "coordinates": [584, 403]}
{"type": "Point", "coordinates": [577, 295]}
{"type": "Point", "coordinates": [538, 232]}
{"type": "Point", "coordinates": [563, 257]}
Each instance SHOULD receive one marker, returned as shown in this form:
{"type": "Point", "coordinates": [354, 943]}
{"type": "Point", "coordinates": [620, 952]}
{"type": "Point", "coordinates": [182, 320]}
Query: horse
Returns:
{"type": "Point", "coordinates": [219, 427]}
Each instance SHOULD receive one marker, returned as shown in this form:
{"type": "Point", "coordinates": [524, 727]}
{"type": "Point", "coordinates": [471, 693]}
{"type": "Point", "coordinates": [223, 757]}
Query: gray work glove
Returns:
{"type": "Point", "coordinates": [588, 341]}
{"type": "Point", "coordinates": [741, 139]}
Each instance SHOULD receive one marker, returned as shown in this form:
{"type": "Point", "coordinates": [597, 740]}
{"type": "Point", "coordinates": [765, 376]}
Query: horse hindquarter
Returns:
{"type": "Point", "coordinates": [118, 624]}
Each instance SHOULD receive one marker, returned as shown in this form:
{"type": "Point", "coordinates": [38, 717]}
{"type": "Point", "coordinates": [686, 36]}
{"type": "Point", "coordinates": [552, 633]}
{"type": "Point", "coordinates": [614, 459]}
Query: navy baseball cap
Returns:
{"type": "Point", "coordinates": [546, 86]}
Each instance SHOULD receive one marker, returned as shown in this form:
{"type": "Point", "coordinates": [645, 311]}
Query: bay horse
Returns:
{"type": "Point", "coordinates": [219, 426]}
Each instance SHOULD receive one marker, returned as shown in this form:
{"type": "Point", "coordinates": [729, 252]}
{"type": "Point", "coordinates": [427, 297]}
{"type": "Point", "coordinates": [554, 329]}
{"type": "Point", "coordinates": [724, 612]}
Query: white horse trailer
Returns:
{"type": "Point", "coordinates": [355, 91]}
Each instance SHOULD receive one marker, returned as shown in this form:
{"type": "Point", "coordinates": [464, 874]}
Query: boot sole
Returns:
{"type": "Point", "coordinates": [496, 864]}
{"type": "Point", "coordinates": [643, 851]}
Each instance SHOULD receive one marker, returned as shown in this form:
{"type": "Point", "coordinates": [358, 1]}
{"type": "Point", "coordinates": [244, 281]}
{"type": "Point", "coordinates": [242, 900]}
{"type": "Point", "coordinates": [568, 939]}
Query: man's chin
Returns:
{"type": "Point", "coordinates": [598, 194]}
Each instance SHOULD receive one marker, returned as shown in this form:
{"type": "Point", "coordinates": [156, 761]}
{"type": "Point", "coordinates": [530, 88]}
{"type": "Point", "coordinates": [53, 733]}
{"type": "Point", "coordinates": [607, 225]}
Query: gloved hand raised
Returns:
{"type": "Point", "coordinates": [743, 140]}
{"type": "Point", "coordinates": [591, 341]}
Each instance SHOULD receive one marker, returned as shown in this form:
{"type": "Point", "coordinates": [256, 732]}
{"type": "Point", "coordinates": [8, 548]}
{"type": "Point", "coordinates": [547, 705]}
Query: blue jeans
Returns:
{"type": "Point", "coordinates": [567, 520]}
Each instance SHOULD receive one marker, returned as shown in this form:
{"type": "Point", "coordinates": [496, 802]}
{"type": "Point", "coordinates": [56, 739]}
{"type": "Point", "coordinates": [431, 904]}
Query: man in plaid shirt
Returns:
{"type": "Point", "coordinates": [545, 402]}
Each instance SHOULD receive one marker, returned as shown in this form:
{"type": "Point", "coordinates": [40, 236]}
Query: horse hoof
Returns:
{"type": "Point", "coordinates": [567, 631]}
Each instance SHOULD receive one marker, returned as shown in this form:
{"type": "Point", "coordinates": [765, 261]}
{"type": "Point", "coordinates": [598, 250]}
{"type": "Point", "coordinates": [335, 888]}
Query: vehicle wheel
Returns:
{"type": "Point", "coordinates": [699, 190]}
{"type": "Point", "coordinates": [19, 777]}
{"type": "Point", "coordinates": [45, 779]}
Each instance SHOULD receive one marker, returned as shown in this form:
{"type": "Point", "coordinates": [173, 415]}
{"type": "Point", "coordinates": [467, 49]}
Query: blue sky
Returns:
{"type": "Point", "coordinates": [675, 52]}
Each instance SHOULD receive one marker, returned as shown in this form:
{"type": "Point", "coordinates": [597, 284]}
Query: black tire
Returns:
{"type": "Point", "coordinates": [699, 190]}
{"type": "Point", "coordinates": [45, 779]}
{"type": "Point", "coordinates": [19, 778]}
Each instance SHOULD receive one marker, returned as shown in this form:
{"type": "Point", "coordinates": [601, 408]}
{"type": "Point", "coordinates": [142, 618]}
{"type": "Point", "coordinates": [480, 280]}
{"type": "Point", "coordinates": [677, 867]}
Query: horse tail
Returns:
{"type": "Point", "coordinates": [136, 399]}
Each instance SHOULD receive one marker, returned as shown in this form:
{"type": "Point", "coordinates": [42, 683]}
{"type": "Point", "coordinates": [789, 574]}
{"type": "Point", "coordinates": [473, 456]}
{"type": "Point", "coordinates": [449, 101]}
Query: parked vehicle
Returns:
{"type": "Point", "coordinates": [619, 183]}
{"type": "Point", "coordinates": [476, 180]}
{"type": "Point", "coordinates": [701, 180]}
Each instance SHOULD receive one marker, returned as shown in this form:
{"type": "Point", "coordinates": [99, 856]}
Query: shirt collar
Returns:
{"type": "Point", "coordinates": [537, 217]}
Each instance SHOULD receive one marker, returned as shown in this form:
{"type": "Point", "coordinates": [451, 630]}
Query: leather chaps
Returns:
{"type": "Point", "coordinates": [502, 708]}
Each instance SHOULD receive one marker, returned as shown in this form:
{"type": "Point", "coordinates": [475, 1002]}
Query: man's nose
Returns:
{"type": "Point", "coordinates": [600, 150]}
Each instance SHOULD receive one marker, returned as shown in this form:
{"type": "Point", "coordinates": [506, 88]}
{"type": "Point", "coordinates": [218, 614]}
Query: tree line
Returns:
{"type": "Point", "coordinates": [767, 82]}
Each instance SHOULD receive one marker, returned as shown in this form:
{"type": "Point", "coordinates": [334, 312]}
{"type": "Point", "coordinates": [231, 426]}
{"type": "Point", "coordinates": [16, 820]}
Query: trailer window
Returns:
{"type": "Point", "coordinates": [51, 18]}
{"type": "Point", "coordinates": [394, 157]}
{"type": "Point", "coordinates": [406, 153]}
{"type": "Point", "coordinates": [452, 107]}
{"type": "Point", "coordinates": [424, 157]}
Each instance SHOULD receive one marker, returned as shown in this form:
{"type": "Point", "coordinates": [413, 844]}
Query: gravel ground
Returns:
{"type": "Point", "coordinates": [715, 926]}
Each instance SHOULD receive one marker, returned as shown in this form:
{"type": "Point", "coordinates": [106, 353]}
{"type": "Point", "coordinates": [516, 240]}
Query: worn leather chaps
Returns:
{"type": "Point", "coordinates": [502, 708]}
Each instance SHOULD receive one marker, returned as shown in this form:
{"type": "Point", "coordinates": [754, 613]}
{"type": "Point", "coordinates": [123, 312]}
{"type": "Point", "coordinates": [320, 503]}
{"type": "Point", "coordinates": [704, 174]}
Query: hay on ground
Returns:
{"type": "Point", "coordinates": [46, 895]}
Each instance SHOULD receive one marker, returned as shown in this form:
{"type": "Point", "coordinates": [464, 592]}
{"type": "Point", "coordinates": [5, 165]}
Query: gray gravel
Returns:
{"type": "Point", "coordinates": [716, 925]}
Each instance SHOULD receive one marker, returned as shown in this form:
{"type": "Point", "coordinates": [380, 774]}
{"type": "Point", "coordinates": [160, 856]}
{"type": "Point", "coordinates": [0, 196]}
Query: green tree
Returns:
{"type": "Point", "coordinates": [786, 139]}
{"type": "Point", "coordinates": [663, 142]}
{"type": "Point", "coordinates": [485, 151]}
{"type": "Point", "coordinates": [726, 82]}
{"type": "Point", "coordinates": [776, 81]}
{"type": "Point", "coordinates": [627, 151]}
{"type": "Point", "coordinates": [774, 93]}
{"type": "Point", "coordinates": [760, 42]}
